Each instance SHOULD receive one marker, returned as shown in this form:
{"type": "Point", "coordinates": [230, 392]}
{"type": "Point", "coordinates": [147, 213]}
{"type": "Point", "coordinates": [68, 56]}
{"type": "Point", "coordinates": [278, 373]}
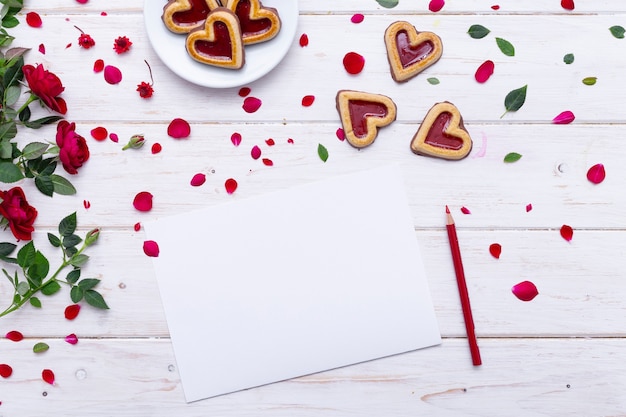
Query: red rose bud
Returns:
{"type": "Point", "coordinates": [135, 142]}
{"type": "Point", "coordinates": [92, 237]}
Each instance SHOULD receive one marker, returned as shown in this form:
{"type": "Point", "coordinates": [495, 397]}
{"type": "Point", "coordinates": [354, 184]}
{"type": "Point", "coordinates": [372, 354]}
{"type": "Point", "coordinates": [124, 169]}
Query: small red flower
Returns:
{"type": "Point", "coordinates": [73, 149]}
{"type": "Point", "coordinates": [71, 311]}
{"type": "Point", "coordinates": [5, 370]}
{"type": "Point", "coordinates": [304, 40]}
{"type": "Point", "coordinates": [251, 104]}
{"type": "Point", "coordinates": [230, 185]}
{"type": "Point", "coordinates": [85, 40]}
{"type": "Point", "coordinates": [145, 90]}
{"type": "Point", "coordinates": [33, 19]}
{"type": "Point", "coordinates": [15, 209]}
{"type": "Point", "coordinates": [143, 201]}
{"type": "Point", "coordinates": [112, 74]}
{"type": "Point", "coordinates": [353, 63]}
{"type": "Point", "coordinates": [72, 339]}
{"type": "Point", "coordinates": [48, 376]}
{"type": "Point", "coordinates": [122, 44]}
{"type": "Point", "coordinates": [14, 336]}
{"type": "Point", "coordinates": [151, 248]}
{"type": "Point", "coordinates": [179, 129]}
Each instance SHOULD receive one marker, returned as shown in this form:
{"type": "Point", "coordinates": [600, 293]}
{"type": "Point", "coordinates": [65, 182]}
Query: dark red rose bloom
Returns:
{"type": "Point", "coordinates": [145, 89]}
{"type": "Point", "coordinates": [16, 210]}
{"type": "Point", "coordinates": [45, 85]}
{"type": "Point", "coordinates": [122, 44]}
{"type": "Point", "coordinates": [86, 41]}
{"type": "Point", "coordinates": [73, 149]}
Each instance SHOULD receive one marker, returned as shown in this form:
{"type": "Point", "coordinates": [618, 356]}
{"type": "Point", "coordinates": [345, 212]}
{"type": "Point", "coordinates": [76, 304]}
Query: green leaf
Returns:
{"type": "Point", "coordinates": [24, 114]}
{"type": "Point", "coordinates": [76, 294]}
{"type": "Point", "coordinates": [23, 288]}
{"type": "Point", "coordinates": [512, 157]}
{"type": "Point", "coordinates": [54, 240]}
{"type": "Point", "coordinates": [322, 152]}
{"type": "Point", "coordinates": [40, 347]}
{"type": "Point", "coordinates": [7, 248]}
{"type": "Point", "coordinates": [506, 47]}
{"type": "Point", "coordinates": [433, 80]}
{"type": "Point", "coordinates": [14, 73]}
{"type": "Point", "coordinates": [590, 80]}
{"type": "Point", "coordinates": [617, 31]}
{"type": "Point", "coordinates": [67, 226]}
{"type": "Point", "coordinates": [88, 283]}
{"type": "Point", "coordinates": [515, 99]}
{"type": "Point", "coordinates": [50, 288]}
{"type": "Point", "coordinates": [10, 22]}
{"type": "Point", "coordinates": [36, 124]}
{"type": "Point", "coordinates": [26, 255]}
{"type": "Point", "coordinates": [73, 276]}
{"type": "Point", "coordinates": [79, 260]}
{"type": "Point", "coordinates": [8, 130]}
{"type": "Point", "coordinates": [71, 240]}
{"type": "Point", "coordinates": [568, 59]}
{"type": "Point", "coordinates": [10, 173]}
{"type": "Point", "coordinates": [6, 150]}
{"type": "Point", "coordinates": [478, 31]}
{"type": "Point", "coordinates": [11, 95]}
{"type": "Point", "coordinates": [94, 299]}
{"type": "Point", "coordinates": [389, 4]}
{"type": "Point", "coordinates": [44, 184]}
{"type": "Point", "coordinates": [62, 186]}
{"type": "Point", "coordinates": [39, 269]}
{"type": "Point", "coordinates": [34, 150]}
{"type": "Point", "coordinates": [35, 302]}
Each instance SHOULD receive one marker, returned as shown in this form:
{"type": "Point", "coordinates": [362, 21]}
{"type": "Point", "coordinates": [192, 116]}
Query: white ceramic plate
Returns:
{"type": "Point", "coordinates": [260, 58]}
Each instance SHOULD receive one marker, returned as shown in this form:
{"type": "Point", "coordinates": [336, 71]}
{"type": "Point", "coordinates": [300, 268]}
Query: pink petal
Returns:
{"type": "Point", "coordinates": [357, 18]}
{"type": "Point", "coordinates": [341, 135]}
{"type": "Point", "coordinates": [564, 118]}
{"type": "Point", "coordinates": [33, 19]}
{"type": "Point", "coordinates": [99, 133]}
{"type": "Point", "coordinates": [98, 65]}
{"type": "Point", "coordinates": [112, 75]}
{"type": "Point", "coordinates": [151, 248]}
{"type": "Point", "coordinates": [5, 370]}
{"type": "Point", "coordinates": [484, 71]}
{"type": "Point", "coordinates": [495, 249]}
{"type": "Point", "coordinates": [353, 63]}
{"type": "Point", "coordinates": [198, 180]}
{"type": "Point", "coordinates": [251, 104]}
{"type": "Point", "coordinates": [42, 48]}
{"type": "Point", "coordinates": [72, 339]}
{"type": "Point", "coordinates": [304, 40]}
{"type": "Point", "coordinates": [465, 210]}
{"type": "Point", "coordinates": [244, 91]}
{"type": "Point", "coordinates": [529, 207]}
{"type": "Point", "coordinates": [525, 290]}
{"type": "Point", "coordinates": [48, 376]}
{"type": "Point", "coordinates": [235, 138]}
{"type": "Point", "coordinates": [156, 148]}
{"type": "Point", "coordinates": [71, 311]}
{"type": "Point", "coordinates": [307, 101]}
{"type": "Point", "coordinates": [268, 162]}
{"type": "Point", "coordinates": [567, 232]}
{"type": "Point", "coordinates": [567, 4]}
{"type": "Point", "coordinates": [270, 142]}
{"type": "Point", "coordinates": [255, 152]}
{"type": "Point", "coordinates": [179, 129]}
{"type": "Point", "coordinates": [436, 5]}
{"type": "Point", "coordinates": [143, 201]}
{"type": "Point", "coordinates": [86, 204]}
{"type": "Point", "coordinates": [114, 137]}
{"type": "Point", "coordinates": [137, 227]}
{"type": "Point", "coordinates": [596, 174]}
{"type": "Point", "coordinates": [82, 1]}
{"type": "Point", "coordinates": [14, 336]}
{"type": "Point", "coordinates": [230, 185]}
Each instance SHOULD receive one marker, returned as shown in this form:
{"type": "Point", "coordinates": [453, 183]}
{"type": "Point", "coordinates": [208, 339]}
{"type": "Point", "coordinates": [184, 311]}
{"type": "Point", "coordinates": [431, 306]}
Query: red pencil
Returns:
{"type": "Point", "coordinates": [460, 279]}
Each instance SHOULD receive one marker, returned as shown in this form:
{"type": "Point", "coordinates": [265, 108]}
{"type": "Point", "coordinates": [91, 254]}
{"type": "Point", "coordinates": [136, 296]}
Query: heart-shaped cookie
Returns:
{"type": "Point", "coordinates": [219, 41]}
{"type": "Point", "coordinates": [183, 16]}
{"type": "Point", "coordinates": [442, 134]}
{"type": "Point", "coordinates": [362, 114]}
{"type": "Point", "coordinates": [410, 52]}
{"type": "Point", "coordinates": [258, 23]}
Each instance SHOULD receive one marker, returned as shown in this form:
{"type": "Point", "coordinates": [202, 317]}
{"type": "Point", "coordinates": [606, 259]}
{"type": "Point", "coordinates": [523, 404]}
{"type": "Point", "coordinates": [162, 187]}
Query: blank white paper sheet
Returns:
{"type": "Point", "coordinates": [264, 289]}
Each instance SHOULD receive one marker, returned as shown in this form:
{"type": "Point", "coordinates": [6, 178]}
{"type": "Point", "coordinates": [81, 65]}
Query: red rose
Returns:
{"type": "Point", "coordinates": [16, 210]}
{"type": "Point", "coordinates": [73, 150]}
{"type": "Point", "coordinates": [45, 85]}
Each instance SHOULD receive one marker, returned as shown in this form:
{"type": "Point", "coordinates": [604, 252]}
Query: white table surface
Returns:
{"type": "Point", "coordinates": [564, 353]}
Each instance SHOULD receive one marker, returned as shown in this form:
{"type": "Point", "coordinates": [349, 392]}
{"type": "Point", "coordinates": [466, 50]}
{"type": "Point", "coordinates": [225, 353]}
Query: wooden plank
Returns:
{"type": "Point", "coordinates": [126, 378]}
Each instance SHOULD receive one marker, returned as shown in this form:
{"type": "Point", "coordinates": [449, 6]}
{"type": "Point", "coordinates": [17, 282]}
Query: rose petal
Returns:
{"type": "Point", "coordinates": [341, 135]}
{"type": "Point", "coordinates": [244, 91]}
{"type": "Point", "coordinates": [72, 339]}
{"type": "Point", "coordinates": [525, 290]}
{"type": "Point", "coordinates": [151, 248]}
{"type": "Point", "coordinates": [33, 19]}
{"type": "Point", "coordinates": [495, 249]}
{"type": "Point", "coordinates": [112, 75]}
{"type": "Point", "coordinates": [465, 210]}
{"type": "Point", "coordinates": [290, 141]}
{"type": "Point", "coordinates": [596, 174]}
{"type": "Point", "coordinates": [156, 148]}
{"type": "Point", "coordinates": [99, 133]}
{"type": "Point", "coordinates": [5, 370]}
{"type": "Point", "coordinates": [529, 207]}
{"type": "Point", "coordinates": [14, 336]}
{"type": "Point", "coordinates": [143, 201]}
{"type": "Point", "coordinates": [86, 204]}
{"type": "Point", "coordinates": [270, 142]}
{"type": "Point", "coordinates": [98, 65]}
{"type": "Point", "coordinates": [230, 185]}
{"type": "Point", "coordinates": [436, 5]}
{"type": "Point", "coordinates": [495, 7]}
{"type": "Point", "coordinates": [251, 104]}
{"type": "Point", "coordinates": [564, 118]}
{"type": "Point", "coordinates": [82, 1]}
{"type": "Point", "coordinates": [567, 232]}
{"type": "Point", "coordinates": [198, 180]}
{"type": "Point", "coordinates": [268, 162]}
{"type": "Point", "coordinates": [307, 101]}
{"type": "Point", "coordinates": [137, 227]}
{"type": "Point", "coordinates": [235, 138]}
{"type": "Point", "coordinates": [179, 129]}
{"type": "Point", "coordinates": [567, 4]}
{"type": "Point", "coordinates": [42, 49]}
{"type": "Point", "coordinates": [304, 40]}
{"type": "Point", "coordinates": [48, 376]}
{"type": "Point", "coordinates": [484, 71]}
{"type": "Point", "coordinates": [255, 152]}
{"type": "Point", "coordinates": [353, 63]}
{"type": "Point", "coordinates": [357, 18]}
{"type": "Point", "coordinates": [71, 311]}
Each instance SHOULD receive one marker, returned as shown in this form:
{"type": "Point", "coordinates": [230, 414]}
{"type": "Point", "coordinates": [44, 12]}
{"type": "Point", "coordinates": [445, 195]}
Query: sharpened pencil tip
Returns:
{"type": "Point", "coordinates": [447, 210]}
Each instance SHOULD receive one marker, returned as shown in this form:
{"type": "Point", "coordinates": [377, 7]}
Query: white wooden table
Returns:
{"type": "Point", "coordinates": [564, 353]}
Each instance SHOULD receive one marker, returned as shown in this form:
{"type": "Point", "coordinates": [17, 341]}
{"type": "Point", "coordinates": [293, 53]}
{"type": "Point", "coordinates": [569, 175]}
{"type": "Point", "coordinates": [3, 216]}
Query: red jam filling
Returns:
{"type": "Point", "coordinates": [360, 110]}
{"type": "Point", "coordinates": [438, 137]}
{"type": "Point", "coordinates": [251, 26]}
{"type": "Point", "coordinates": [221, 47]}
{"type": "Point", "coordinates": [410, 55]}
{"type": "Point", "coordinates": [196, 14]}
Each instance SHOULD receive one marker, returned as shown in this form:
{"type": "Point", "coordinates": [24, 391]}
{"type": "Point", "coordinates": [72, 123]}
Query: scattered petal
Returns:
{"type": "Point", "coordinates": [251, 104]}
{"type": "Point", "coordinates": [98, 65]}
{"type": "Point", "coordinates": [42, 48]}
{"type": "Point", "coordinates": [244, 91]}
{"type": "Point", "coordinates": [357, 18]}
{"type": "Point", "coordinates": [567, 4]}
{"type": "Point", "coordinates": [122, 44]}
{"type": "Point", "coordinates": [179, 129]}
{"type": "Point", "coordinates": [525, 290]}
{"type": "Point", "coordinates": [529, 207]}
{"type": "Point", "coordinates": [268, 162]}
{"type": "Point", "coordinates": [137, 227]}
{"type": "Point", "coordinates": [143, 201]}
{"type": "Point", "coordinates": [198, 180]}
{"type": "Point", "coordinates": [465, 210]}
{"type": "Point", "coordinates": [72, 339]}
{"type": "Point", "coordinates": [596, 174]}
{"type": "Point", "coordinates": [290, 141]}
{"type": "Point", "coordinates": [71, 311]}
{"type": "Point", "coordinates": [484, 71]}
{"type": "Point", "coordinates": [353, 63]}
{"type": "Point", "coordinates": [564, 118]}
{"type": "Point", "coordinates": [99, 133]}
{"type": "Point", "coordinates": [235, 138]}
{"type": "Point", "coordinates": [567, 232]}
{"type": "Point", "coordinates": [495, 249]}
{"type": "Point", "coordinates": [86, 204]}
{"type": "Point", "coordinates": [270, 142]}
{"type": "Point", "coordinates": [495, 7]}
{"type": "Point", "coordinates": [156, 148]}
{"type": "Point", "coordinates": [436, 5]}
{"type": "Point", "coordinates": [33, 19]}
{"type": "Point", "coordinates": [14, 336]}
{"type": "Point", "coordinates": [230, 185]}
{"type": "Point", "coordinates": [255, 152]}
{"type": "Point", "coordinates": [5, 370]}
{"type": "Point", "coordinates": [341, 135]}
{"type": "Point", "coordinates": [82, 1]}
{"type": "Point", "coordinates": [114, 137]}
{"type": "Point", "coordinates": [112, 74]}
{"type": "Point", "coordinates": [151, 248]}
{"type": "Point", "coordinates": [304, 40]}
{"type": "Point", "coordinates": [307, 101]}
{"type": "Point", "coordinates": [48, 376]}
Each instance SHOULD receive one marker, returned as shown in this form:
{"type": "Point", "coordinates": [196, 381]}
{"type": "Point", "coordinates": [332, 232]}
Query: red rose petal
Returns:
{"type": "Point", "coordinates": [98, 65]}
{"type": "Point", "coordinates": [101, 13]}
{"type": "Point", "coordinates": [307, 101]}
{"type": "Point", "coordinates": [5, 370]}
{"type": "Point", "coordinates": [114, 137]}
{"type": "Point", "coordinates": [42, 49]}
{"type": "Point", "coordinates": [143, 201]}
{"type": "Point", "coordinates": [156, 148]}
{"type": "Point", "coordinates": [198, 180]}
{"type": "Point", "coordinates": [567, 4]}
{"type": "Point", "coordinates": [290, 141]}
{"type": "Point", "coordinates": [235, 138]}
{"type": "Point", "coordinates": [525, 290]}
{"type": "Point", "coordinates": [68, 45]}
{"type": "Point", "coordinates": [436, 5]}
{"type": "Point", "coordinates": [137, 227]}
{"type": "Point", "coordinates": [353, 63]}
{"type": "Point", "coordinates": [268, 162]}
{"type": "Point", "coordinates": [270, 142]}
{"type": "Point", "coordinates": [179, 129]}
{"type": "Point", "coordinates": [304, 40]}
{"type": "Point", "coordinates": [341, 135]}
{"type": "Point", "coordinates": [357, 18]}
{"type": "Point", "coordinates": [564, 118]}
{"type": "Point", "coordinates": [71, 311]}
{"type": "Point", "coordinates": [86, 204]}
{"type": "Point", "coordinates": [596, 174]}
{"type": "Point", "coordinates": [255, 152]}
{"type": "Point", "coordinates": [151, 248]}
{"type": "Point", "coordinates": [484, 71]}
{"type": "Point", "coordinates": [244, 91]}
{"type": "Point", "coordinates": [33, 19]}
{"type": "Point", "coordinates": [251, 104]}
{"type": "Point", "coordinates": [230, 185]}
{"type": "Point", "coordinates": [14, 336]}
{"type": "Point", "coordinates": [567, 232]}
{"type": "Point", "coordinates": [529, 207]}
{"type": "Point", "coordinates": [465, 210]}
{"type": "Point", "coordinates": [48, 376]}
{"type": "Point", "coordinates": [495, 249]}
{"type": "Point", "coordinates": [495, 7]}
{"type": "Point", "coordinates": [72, 339]}
{"type": "Point", "coordinates": [82, 1]}
{"type": "Point", "coordinates": [99, 133]}
{"type": "Point", "coordinates": [112, 74]}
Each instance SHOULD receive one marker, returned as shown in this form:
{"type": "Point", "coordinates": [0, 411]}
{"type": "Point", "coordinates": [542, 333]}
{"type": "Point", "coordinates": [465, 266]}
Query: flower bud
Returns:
{"type": "Point", "coordinates": [135, 142]}
{"type": "Point", "coordinates": [92, 236]}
